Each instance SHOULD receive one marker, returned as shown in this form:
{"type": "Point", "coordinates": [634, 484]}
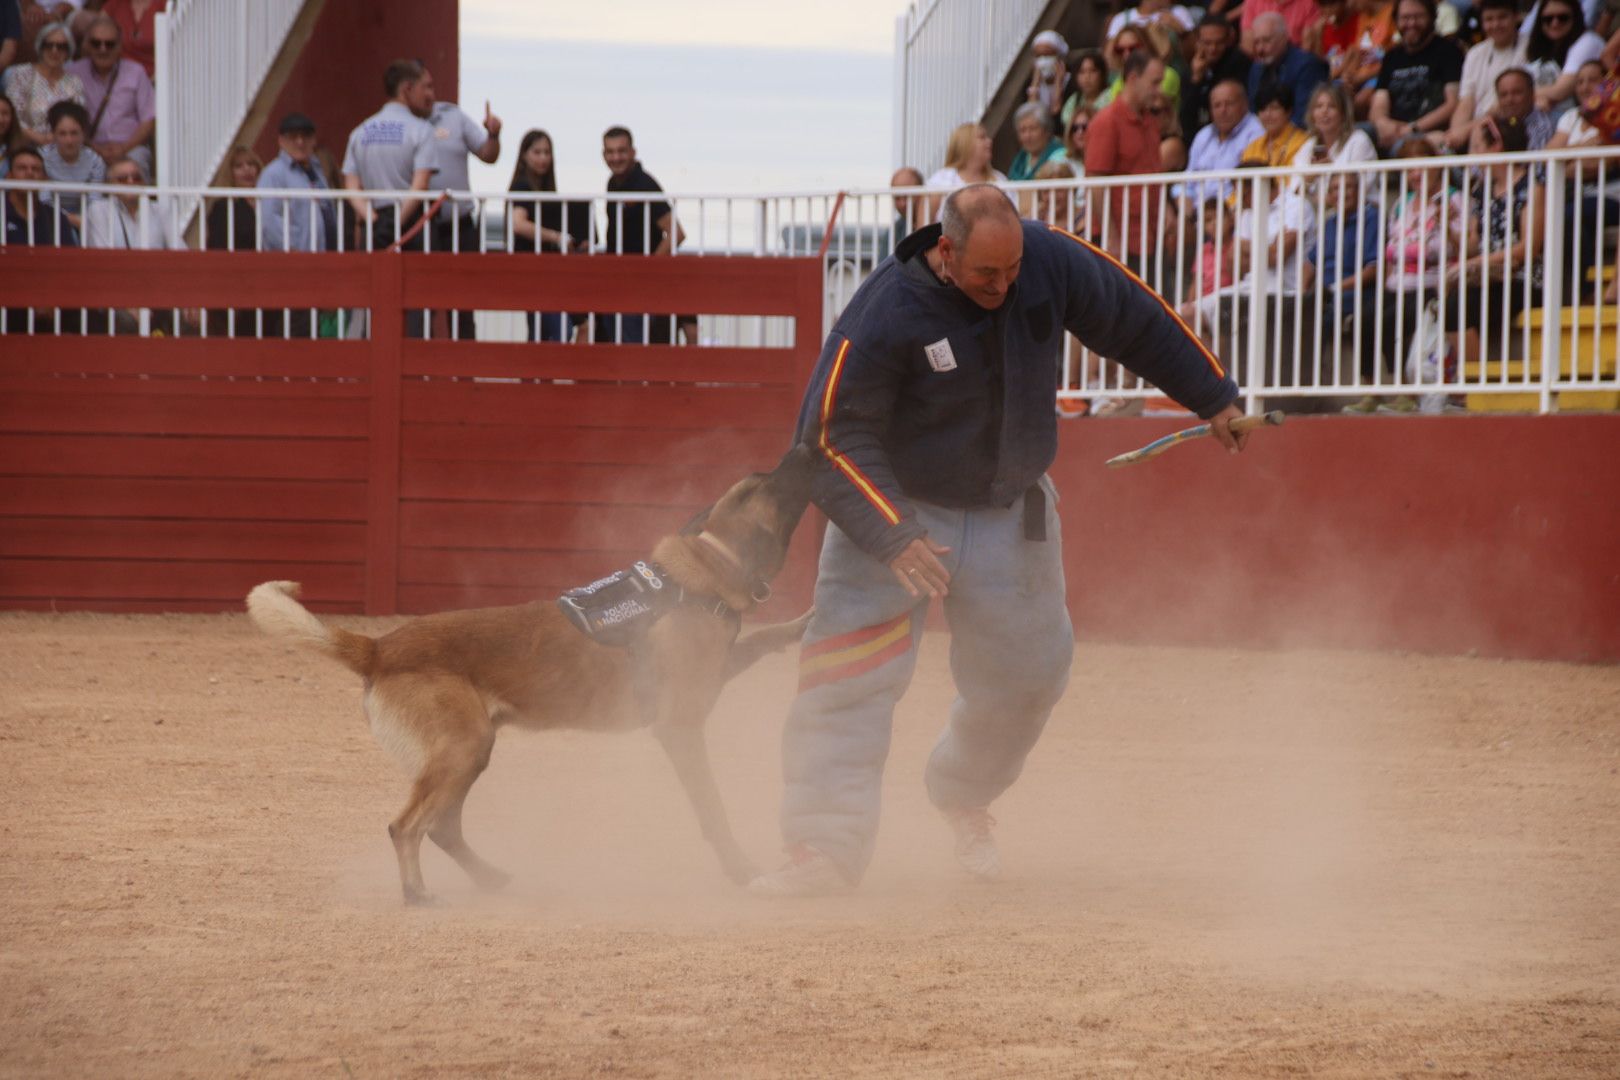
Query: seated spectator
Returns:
{"type": "Point", "coordinates": [1595, 12]}
{"type": "Point", "coordinates": [1279, 140]}
{"type": "Point", "coordinates": [1089, 80]}
{"type": "Point", "coordinates": [1497, 279]}
{"type": "Point", "coordinates": [1557, 47]}
{"type": "Point", "coordinates": [295, 224]}
{"type": "Point", "coordinates": [910, 211]}
{"type": "Point", "coordinates": [11, 136]}
{"type": "Point", "coordinates": [233, 223]}
{"type": "Point", "coordinates": [11, 35]}
{"type": "Point", "coordinates": [1049, 81]}
{"type": "Point", "coordinates": [1516, 99]}
{"type": "Point", "coordinates": [1417, 84]}
{"type": "Point", "coordinates": [68, 160]}
{"type": "Point", "coordinates": [137, 23]}
{"type": "Point", "coordinates": [1216, 58]}
{"type": "Point", "coordinates": [134, 222]}
{"type": "Point", "coordinates": [967, 161]}
{"type": "Point", "coordinates": [1375, 32]}
{"type": "Point", "coordinates": [1427, 222]}
{"type": "Point", "coordinates": [1595, 205]}
{"type": "Point", "coordinates": [1217, 257]}
{"type": "Point", "coordinates": [1344, 253]}
{"type": "Point", "coordinates": [549, 226]}
{"type": "Point", "coordinates": [1172, 143]}
{"type": "Point", "coordinates": [1074, 140]}
{"type": "Point", "coordinates": [1036, 143]}
{"type": "Point", "coordinates": [31, 222]}
{"type": "Point", "coordinates": [1055, 206]}
{"type": "Point", "coordinates": [1129, 42]}
{"type": "Point", "coordinates": [1332, 36]}
{"type": "Point", "coordinates": [1278, 63]}
{"type": "Point", "coordinates": [1502, 49]}
{"type": "Point", "coordinates": [1172, 17]}
{"type": "Point", "coordinates": [1296, 16]}
{"type": "Point", "coordinates": [1124, 141]}
{"type": "Point", "coordinates": [1220, 145]}
{"type": "Point", "coordinates": [117, 95]}
{"type": "Point", "coordinates": [1333, 136]}
{"type": "Point", "coordinates": [34, 88]}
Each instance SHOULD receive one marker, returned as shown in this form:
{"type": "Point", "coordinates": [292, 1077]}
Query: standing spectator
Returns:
{"type": "Point", "coordinates": [34, 88]}
{"type": "Point", "coordinates": [233, 223]}
{"type": "Point", "coordinates": [1297, 17]}
{"type": "Point", "coordinates": [1048, 81]}
{"type": "Point", "coordinates": [117, 94]}
{"type": "Point", "coordinates": [295, 224]}
{"type": "Point", "coordinates": [1417, 85]}
{"type": "Point", "coordinates": [392, 150]}
{"type": "Point", "coordinates": [910, 211]}
{"type": "Point", "coordinates": [1280, 140]}
{"type": "Point", "coordinates": [1037, 145]}
{"type": "Point", "coordinates": [1559, 44]}
{"type": "Point", "coordinates": [1124, 141]}
{"type": "Point", "coordinates": [1277, 62]}
{"type": "Point", "coordinates": [1220, 145]}
{"type": "Point", "coordinates": [67, 159]}
{"type": "Point", "coordinates": [1501, 49]}
{"type": "Point", "coordinates": [546, 226]}
{"type": "Point", "coordinates": [11, 136]}
{"type": "Point", "coordinates": [1090, 83]}
{"type": "Point", "coordinates": [137, 20]}
{"type": "Point", "coordinates": [967, 161]}
{"type": "Point", "coordinates": [455, 135]}
{"type": "Point", "coordinates": [1129, 42]}
{"type": "Point", "coordinates": [11, 35]}
{"type": "Point", "coordinates": [1216, 58]}
{"type": "Point", "coordinates": [638, 228]}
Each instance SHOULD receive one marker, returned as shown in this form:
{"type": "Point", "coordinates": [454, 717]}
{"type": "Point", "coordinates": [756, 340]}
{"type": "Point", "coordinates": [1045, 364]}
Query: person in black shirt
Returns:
{"type": "Point", "coordinates": [637, 228]}
{"type": "Point", "coordinates": [32, 223]}
{"type": "Point", "coordinates": [1417, 86]}
{"type": "Point", "coordinates": [557, 226]}
{"type": "Point", "coordinates": [1216, 60]}
{"type": "Point", "coordinates": [233, 225]}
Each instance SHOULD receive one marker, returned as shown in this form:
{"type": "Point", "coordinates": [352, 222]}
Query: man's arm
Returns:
{"type": "Point", "coordinates": [362, 205]}
{"type": "Point", "coordinates": [1439, 116]}
{"type": "Point", "coordinates": [271, 211]}
{"type": "Point", "coordinates": [490, 148]}
{"type": "Point", "coordinates": [673, 234]}
{"type": "Point", "coordinates": [1389, 129]}
{"type": "Point", "coordinates": [409, 207]}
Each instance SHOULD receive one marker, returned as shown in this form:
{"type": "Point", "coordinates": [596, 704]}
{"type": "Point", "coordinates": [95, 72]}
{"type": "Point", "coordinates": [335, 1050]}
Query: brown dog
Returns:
{"type": "Point", "coordinates": [438, 688]}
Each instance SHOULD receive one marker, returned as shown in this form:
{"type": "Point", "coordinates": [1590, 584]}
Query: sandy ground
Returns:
{"type": "Point", "coordinates": [1219, 863]}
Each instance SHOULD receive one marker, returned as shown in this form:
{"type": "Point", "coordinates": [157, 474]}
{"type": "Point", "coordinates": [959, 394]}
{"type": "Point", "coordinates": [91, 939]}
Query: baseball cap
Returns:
{"type": "Point", "coordinates": [296, 122]}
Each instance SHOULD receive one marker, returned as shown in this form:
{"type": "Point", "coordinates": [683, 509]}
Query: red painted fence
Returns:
{"type": "Point", "coordinates": [165, 474]}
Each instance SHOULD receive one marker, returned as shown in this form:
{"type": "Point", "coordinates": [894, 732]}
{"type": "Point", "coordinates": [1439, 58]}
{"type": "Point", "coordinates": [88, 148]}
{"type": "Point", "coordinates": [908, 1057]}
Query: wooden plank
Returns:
{"type": "Point", "coordinates": [650, 485]}
{"type": "Point", "coordinates": [158, 455]}
{"type": "Point", "coordinates": [747, 450]}
{"type": "Point", "coordinates": [47, 277]}
{"type": "Point", "coordinates": [723, 285]}
{"type": "Point", "coordinates": [244, 357]}
{"type": "Point", "coordinates": [243, 500]}
{"type": "Point", "coordinates": [226, 391]}
{"type": "Point", "coordinates": [382, 485]}
{"type": "Point", "coordinates": [682, 407]}
{"type": "Point", "coordinates": [161, 579]}
{"type": "Point", "coordinates": [665, 363]}
{"type": "Point", "coordinates": [135, 538]}
{"type": "Point", "coordinates": [155, 607]}
{"type": "Point", "coordinates": [537, 525]}
{"type": "Point", "coordinates": [426, 599]}
{"type": "Point", "coordinates": [534, 570]}
{"type": "Point", "coordinates": [159, 413]}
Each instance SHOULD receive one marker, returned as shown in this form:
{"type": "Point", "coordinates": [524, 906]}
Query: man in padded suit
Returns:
{"type": "Point", "coordinates": [933, 408]}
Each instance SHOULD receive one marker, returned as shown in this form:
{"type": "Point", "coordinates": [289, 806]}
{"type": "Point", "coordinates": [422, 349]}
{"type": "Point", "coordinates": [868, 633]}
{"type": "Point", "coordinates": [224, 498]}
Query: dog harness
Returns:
{"type": "Point", "coordinates": [619, 609]}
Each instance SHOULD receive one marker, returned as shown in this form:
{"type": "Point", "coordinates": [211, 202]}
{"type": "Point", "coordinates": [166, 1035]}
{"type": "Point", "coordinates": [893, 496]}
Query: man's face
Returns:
{"type": "Point", "coordinates": [987, 265]}
{"type": "Point", "coordinates": [1500, 26]}
{"type": "Point", "coordinates": [1514, 95]}
{"type": "Point", "coordinates": [1226, 107]}
{"type": "Point", "coordinates": [1270, 41]}
{"type": "Point", "coordinates": [419, 95]}
{"type": "Point", "coordinates": [1144, 89]}
{"type": "Point", "coordinates": [619, 154]}
{"type": "Point", "coordinates": [1212, 42]}
{"type": "Point", "coordinates": [1413, 22]}
{"type": "Point", "coordinates": [298, 145]}
{"type": "Point", "coordinates": [104, 47]}
{"type": "Point", "coordinates": [27, 167]}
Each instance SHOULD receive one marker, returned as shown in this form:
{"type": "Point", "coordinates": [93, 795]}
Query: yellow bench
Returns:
{"type": "Point", "coordinates": [1579, 362]}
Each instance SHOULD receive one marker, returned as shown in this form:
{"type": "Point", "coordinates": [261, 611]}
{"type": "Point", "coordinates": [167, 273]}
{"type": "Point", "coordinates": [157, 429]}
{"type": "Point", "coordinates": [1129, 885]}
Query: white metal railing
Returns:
{"type": "Point", "coordinates": [1538, 339]}
{"type": "Point", "coordinates": [950, 56]}
{"type": "Point", "coordinates": [211, 59]}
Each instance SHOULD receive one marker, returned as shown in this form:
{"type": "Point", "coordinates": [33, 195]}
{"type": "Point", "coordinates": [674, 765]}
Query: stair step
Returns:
{"type": "Point", "coordinates": [1589, 316]}
{"type": "Point", "coordinates": [1520, 370]}
{"type": "Point", "coordinates": [1567, 401]}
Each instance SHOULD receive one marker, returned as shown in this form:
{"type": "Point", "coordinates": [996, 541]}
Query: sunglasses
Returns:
{"type": "Point", "coordinates": [1556, 19]}
{"type": "Point", "coordinates": [100, 43]}
{"type": "Point", "coordinates": [1126, 50]}
{"type": "Point", "coordinates": [1078, 129]}
{"type": "Point", "coordinates": [54, 46]}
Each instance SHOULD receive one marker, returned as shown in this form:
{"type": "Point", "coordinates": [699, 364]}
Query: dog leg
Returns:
{"type": "Point", "coordinates": [770, 639]}
{"type": "Point", "coordinates": [447, 834]}
{"type": "Point", "coordinates": [689, 753]}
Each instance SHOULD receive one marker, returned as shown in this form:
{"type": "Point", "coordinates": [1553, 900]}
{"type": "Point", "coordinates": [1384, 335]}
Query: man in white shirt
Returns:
{"type": "Point", "coordinates": [1502, 48]}
{"type": "Point", "coordinates": [1219, 144]}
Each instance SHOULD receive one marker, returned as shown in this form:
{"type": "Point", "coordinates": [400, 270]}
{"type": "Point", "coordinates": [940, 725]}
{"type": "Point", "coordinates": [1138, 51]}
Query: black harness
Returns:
{"type": "Point", "coordinates": [619, 609]}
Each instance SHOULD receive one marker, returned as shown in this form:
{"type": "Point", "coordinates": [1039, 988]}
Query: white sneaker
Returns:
{"type": "Point", "coordinates": [806, 873]}
{"type": "Point", "coordinates": [975, 846]}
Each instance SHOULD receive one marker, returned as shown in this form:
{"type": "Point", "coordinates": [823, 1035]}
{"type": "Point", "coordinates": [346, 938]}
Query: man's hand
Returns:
{"type": "Point", "coordinates": [1220, 426]}
{"type": "Point", "coordinates": [919, 570]}
{"type": "Point", "coordinates": [492, 123]}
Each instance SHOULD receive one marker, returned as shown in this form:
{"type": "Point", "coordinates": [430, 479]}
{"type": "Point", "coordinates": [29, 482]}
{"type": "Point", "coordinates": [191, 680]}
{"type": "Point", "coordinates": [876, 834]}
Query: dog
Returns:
{"type": "Point", "coordinates": [439, 687]}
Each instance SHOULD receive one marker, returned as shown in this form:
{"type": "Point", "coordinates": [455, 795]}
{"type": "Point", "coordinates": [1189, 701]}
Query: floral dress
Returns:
{"type": "Point", "coordinates": [33, 95]}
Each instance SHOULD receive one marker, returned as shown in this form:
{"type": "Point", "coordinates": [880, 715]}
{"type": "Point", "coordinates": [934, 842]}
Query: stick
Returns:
{"type": "Point", "coordinates": [1159, 446]}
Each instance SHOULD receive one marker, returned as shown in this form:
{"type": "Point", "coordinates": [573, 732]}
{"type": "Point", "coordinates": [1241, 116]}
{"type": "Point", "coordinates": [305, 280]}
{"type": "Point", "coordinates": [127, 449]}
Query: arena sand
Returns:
{"type": "Point", "coordinates": [1218, 863]}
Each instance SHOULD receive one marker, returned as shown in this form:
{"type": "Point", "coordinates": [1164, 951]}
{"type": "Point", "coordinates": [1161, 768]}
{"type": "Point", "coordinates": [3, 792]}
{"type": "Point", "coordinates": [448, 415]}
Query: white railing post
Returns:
{"type": "Point", "coordinates": [164, 136]}
{"type": "Point", "coordinates": [1254, 362]}
{"type": "Point", "coordinates": [1552, 291]}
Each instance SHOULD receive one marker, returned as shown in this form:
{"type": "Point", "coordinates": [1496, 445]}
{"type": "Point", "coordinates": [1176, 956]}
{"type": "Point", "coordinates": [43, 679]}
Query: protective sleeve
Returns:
{"type": "Point", "coordinates": [845, 412]}
{"type": "Point", "coordinates": [1115, 314]}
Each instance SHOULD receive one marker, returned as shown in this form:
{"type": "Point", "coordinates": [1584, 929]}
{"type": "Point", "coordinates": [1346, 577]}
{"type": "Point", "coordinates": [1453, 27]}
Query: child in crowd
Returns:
{"type": "Point", "coordinates": [68, 160]}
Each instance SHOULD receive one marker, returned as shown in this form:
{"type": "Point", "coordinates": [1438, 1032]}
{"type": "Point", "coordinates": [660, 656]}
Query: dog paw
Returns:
{"type": "Point", "coordinates": [493, 880]}
{"type": "Point", "coordinates": [422, 899]}
{"type": "Point", "coordinates": [741, 871]}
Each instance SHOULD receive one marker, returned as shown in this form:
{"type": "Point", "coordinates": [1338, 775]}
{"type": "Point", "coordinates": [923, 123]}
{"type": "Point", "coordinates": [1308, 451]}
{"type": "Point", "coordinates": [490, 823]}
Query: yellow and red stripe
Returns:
{"type": "Point", "coordinates": [1214, 364]}
{"type": "Point", "coordinates": [840, 462]}
{"type": "Point", "coordinates": [846, 655]}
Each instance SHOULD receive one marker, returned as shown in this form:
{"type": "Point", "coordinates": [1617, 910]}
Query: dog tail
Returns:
{"type": "Point", "coordinates": [274, 610]}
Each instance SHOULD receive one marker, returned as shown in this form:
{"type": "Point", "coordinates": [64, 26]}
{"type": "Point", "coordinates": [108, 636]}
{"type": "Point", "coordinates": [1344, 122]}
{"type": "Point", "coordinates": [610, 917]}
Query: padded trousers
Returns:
{"type": "Point", "coordinates": [1011, 647]}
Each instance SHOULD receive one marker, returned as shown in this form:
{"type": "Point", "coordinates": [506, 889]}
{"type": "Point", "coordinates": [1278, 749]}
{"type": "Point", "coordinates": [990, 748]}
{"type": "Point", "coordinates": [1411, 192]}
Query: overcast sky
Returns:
{"type": "Point", "coordinates": [727, 96]}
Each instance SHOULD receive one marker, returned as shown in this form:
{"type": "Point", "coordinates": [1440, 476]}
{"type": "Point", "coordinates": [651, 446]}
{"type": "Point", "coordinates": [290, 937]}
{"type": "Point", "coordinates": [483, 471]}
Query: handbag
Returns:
{"type": "Point", "coordinates": [1430, 358]}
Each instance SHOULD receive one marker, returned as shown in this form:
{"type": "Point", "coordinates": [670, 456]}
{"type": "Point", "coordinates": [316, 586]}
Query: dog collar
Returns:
{"type": "Point", "coordinates": [760, 591]}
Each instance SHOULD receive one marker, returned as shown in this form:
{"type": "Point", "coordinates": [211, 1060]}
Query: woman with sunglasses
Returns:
{"type": "Point", "coordinates": [34, 88]}
{"type": "Point", "coordinates": [1559, 44]}
{"type": "Point", "coordinates": [1074, 140]}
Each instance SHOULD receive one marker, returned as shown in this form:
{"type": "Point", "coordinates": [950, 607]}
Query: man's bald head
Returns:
{"type": "Point", "coordinates": [981, 245]}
